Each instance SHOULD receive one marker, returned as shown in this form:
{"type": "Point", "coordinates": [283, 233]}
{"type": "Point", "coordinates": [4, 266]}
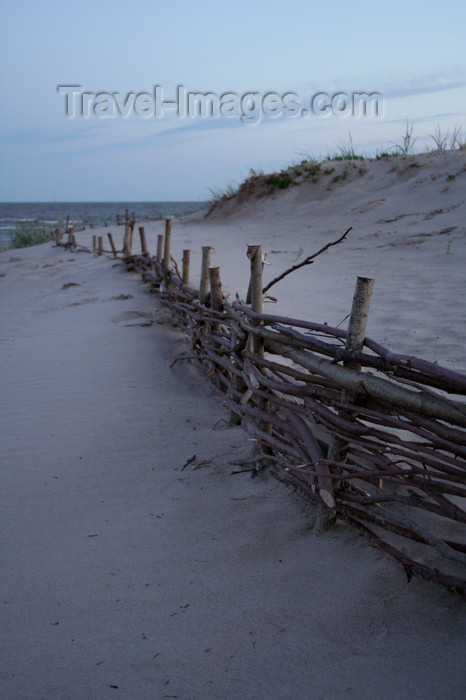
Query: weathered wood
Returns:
{"type": "Point", "coordinates": [354, 342]}
{"type": "Point", "coordinates": [112, 244]}
{"type": "Point", "coordinates": [254, 253]}
{"type": "Point", "coordinates": [166, 248]}
{"type": "Point", "coordinates": [94, 243]}
{"type": "Point", "coordinates": [456, 381]}
{"type": "Point", "coordinates": [358, 317]}
{"type": "Point", "coordinates": [215, 293]}
{"type": "Point", "coordinates": [204, 282]}
{"type": "Point", "coordinates": [308, 261]}
{"type": "Point", "coordinates": [186, 259]}
{"type": "Point", "coordinates": [101, 245]}
{"type": "Point", "coordinates": [426, 404]}
{"type": "Point", "coordinates": [159, 255]}
{"type": "Point", "coordinates": [399, 432]}
{"type": "Point", "coordinates": [142, 236]}
{"type": "Point", "coordinates": [249, 293]}
{"type": "Point", "coordinates": [128, 239]}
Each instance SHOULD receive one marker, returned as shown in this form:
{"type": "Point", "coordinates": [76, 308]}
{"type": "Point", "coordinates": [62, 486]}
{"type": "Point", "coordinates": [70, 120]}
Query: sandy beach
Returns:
{"type": "Point", "coordinates": [134, 565]}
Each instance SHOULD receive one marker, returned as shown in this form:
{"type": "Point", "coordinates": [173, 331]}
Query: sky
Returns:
{"type": "Point", "coordinates": [115, 146]}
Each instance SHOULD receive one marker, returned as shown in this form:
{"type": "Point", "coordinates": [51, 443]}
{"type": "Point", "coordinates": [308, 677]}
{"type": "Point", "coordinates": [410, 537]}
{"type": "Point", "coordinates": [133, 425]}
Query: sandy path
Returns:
{"type": "Point", "coordinates": [124, 576]}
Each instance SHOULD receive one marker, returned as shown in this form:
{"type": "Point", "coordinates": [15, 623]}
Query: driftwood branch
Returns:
{"type": "Point", "coordinates": [308, 261]}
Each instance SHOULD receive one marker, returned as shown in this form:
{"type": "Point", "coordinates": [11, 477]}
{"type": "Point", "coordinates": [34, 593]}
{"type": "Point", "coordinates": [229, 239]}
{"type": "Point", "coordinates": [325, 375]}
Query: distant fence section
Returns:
{"type": "Point", "coordinates": [371, 436]}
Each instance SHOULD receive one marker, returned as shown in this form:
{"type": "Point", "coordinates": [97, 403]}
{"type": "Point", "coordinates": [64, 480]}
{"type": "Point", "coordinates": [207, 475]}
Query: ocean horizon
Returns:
{"type": "Point", "coordinates": [51, 215]}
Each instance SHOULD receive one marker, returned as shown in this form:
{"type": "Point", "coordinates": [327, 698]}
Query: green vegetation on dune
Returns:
{"type": "Point", "coordinates": [27, 234]}
{"type": "Point", "coordinates": [311, 168]}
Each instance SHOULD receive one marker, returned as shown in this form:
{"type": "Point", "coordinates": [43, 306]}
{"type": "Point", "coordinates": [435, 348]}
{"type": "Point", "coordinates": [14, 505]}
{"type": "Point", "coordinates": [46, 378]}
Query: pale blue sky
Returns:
{"type": "Point", "coordinates": [411, 52]}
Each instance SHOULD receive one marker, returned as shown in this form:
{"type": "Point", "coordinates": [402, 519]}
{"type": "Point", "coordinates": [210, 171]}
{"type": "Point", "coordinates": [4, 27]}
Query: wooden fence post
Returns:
{"type": "Point", "coordinates": [101, 245]}
{"type": "Point", "coordinates": [255, 255]}
{"type": "Point", "coordinates": [216, 297]}
{"type": "Point", "coordinates": [159, 256]}
{"type": "Point", "coordinates": [354, 341]}
{"type": "Point", "coordinates": [358, 318]}
{"type": "Point", "coordinates": [112, 243]}
{"type": "Point", "coordinates": [166, 249]}
{"type": "Point", "coordinates": [204, 283]}
{"type": "Point", "coordinates": [248, 295]}
{"type": "Point", "coordinates": [186, 259]}
{"type": "Point", "coordinates": [94, 243]}
{"type": "Point", "coordinates": [128, 239]}
{"type": "Point", "coordinates": [142, 236]}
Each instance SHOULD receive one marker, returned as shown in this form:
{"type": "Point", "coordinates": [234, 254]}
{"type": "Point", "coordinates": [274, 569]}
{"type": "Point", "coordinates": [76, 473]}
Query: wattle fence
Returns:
{"type": "Point", "coordinates": [373, 437]}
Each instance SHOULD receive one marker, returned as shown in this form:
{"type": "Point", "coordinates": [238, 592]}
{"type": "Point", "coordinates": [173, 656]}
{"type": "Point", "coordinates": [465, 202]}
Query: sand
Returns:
{"type": "Point", "coordinates": [128, 573]}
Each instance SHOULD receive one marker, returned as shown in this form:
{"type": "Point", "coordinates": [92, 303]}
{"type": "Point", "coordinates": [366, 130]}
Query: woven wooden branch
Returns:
{"type": "Point", "coordinates": [404, 470]}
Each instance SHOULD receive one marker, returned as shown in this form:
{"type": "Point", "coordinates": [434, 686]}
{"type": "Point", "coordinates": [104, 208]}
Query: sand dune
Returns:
{"type": "Point", "coordinates": [129, 571]}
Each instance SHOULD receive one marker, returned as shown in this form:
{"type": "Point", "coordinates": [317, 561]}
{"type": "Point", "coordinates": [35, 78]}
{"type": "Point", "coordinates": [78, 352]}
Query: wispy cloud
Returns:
{"type": "Point", "coordinates": [34, 137]}
{"type": "Point", "coordinates": [423, 85]}
{"type": "Point", "coordinates": [187, 130]}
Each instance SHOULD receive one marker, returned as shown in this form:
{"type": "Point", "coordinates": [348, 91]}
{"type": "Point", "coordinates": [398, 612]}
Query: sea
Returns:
{"type": "Point", "coordinates": [30, 216]}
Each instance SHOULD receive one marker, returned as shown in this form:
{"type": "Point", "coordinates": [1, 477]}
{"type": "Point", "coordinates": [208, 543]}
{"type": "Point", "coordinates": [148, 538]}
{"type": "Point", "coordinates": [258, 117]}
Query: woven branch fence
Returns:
{"type": "Point", "coordinates": [372, 437]}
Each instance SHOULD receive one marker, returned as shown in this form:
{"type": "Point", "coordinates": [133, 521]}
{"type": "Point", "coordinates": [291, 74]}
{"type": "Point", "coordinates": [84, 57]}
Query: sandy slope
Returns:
{"type": "Point", "coordinates": [408, 233]}
{"type": "Point", "coordinates": [121, 568]}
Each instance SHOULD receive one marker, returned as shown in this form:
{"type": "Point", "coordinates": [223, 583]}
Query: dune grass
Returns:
{"type": "Point", "coordinates": [218, 193]}
{"type": "Point", "coordinates": [27, 234]}
{"type": "Point", "coordinates": [310, 167]}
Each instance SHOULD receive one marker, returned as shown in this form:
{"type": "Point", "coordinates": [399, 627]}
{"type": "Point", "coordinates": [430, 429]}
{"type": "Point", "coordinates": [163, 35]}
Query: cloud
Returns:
{"type": "Point", "coordinates": [189, 129]}
{"type": "Point", "coordinates": [34, 137]}
{"type": "Point", "coordinates": [423, 85]}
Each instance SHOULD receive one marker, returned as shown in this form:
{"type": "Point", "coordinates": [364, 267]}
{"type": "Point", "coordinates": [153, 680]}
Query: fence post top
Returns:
{"type": "Point", "coordinates": [253, 250]}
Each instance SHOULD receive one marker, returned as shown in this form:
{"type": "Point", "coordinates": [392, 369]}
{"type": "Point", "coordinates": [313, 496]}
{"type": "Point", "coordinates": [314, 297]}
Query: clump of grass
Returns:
{"type": "Point", "coordinates": [440, 140]}
{"type": "Point", "coordinates": [27, 234]}
{"type": "Point", "coordinates": [279, 181]}
{"type": "Point", "coordinates": [313, 169]}
{"type": "Point", "coordinates": [406, 145]}
{"type": "Point", "coordinates": [309, 166]}
{"type": "Point", "coordinates": [442, 143]}
{"type": "Point", "coordinates": [386, 154]}
{"type": "Point", "coordinates": [225, 192]}
{"type": "Point", "coordinates": [347, 151]}
{"type": "Point", "coordinates": [342, 176]}
{"type": "Point", "coordinates": [456, 140]}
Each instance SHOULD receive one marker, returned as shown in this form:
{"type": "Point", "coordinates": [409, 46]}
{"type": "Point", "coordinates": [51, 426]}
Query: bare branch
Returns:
{"type": "Point", "coordinates": [308, 261]}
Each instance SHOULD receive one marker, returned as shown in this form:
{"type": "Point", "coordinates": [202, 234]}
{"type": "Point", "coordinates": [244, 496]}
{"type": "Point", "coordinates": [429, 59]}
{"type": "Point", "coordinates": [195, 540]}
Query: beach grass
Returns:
{"type": "Point", "coordinates": [27, 234]}
{"type": "Point", "coordinates": [311, 167]}
{"type": "Point", "coordinates": [225, 191]}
